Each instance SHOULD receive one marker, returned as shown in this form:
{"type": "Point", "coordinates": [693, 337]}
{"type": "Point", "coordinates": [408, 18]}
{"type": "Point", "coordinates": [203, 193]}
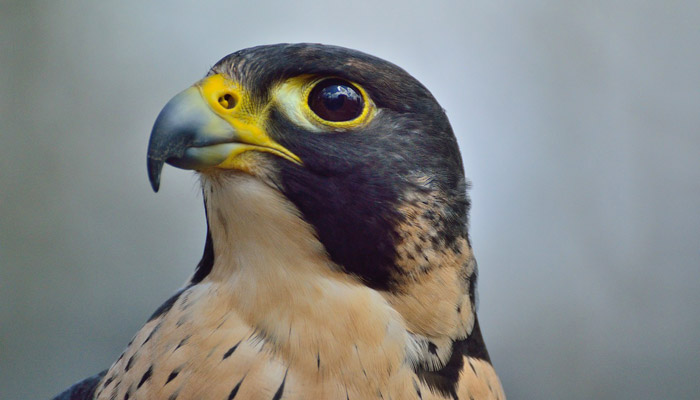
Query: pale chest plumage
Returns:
{"type": "Point", "coordinates": [276, 320]}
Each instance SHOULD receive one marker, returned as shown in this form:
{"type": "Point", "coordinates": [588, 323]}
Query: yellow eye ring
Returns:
{"type": "Point", "coordinates": [344, 104]}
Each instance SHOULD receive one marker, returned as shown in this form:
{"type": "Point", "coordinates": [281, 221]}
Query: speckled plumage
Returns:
{"type": "Point", "coordinates": [350, 277]}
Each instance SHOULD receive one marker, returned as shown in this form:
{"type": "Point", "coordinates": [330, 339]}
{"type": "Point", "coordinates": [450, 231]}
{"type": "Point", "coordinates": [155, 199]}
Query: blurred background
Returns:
{"type": "Point", "coordinates": [579, 124]}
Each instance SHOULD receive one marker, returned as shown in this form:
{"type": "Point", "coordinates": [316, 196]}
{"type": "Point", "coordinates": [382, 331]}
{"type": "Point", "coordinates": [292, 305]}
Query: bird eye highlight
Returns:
{"type": "Point", "coordinates": [336, 100]}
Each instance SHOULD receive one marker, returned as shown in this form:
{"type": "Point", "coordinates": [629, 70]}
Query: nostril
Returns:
{"type": "Point", "coordinates": [227, 101]}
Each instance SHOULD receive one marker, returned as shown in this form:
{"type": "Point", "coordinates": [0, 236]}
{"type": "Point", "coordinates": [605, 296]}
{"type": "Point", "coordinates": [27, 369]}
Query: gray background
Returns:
{"type": "Point", "coordinates": [578, 123]}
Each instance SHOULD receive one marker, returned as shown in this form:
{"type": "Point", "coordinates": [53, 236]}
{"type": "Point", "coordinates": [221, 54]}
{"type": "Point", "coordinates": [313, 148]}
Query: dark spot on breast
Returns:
{"type": "Point", "coordinates": [472, 366]}
{"type": "Point", "coordinates": [127, 394]}
{"type": "Point", "coordinates": [230, 351]}
{"type": "Point", "coordinates": [183, 341]}
{"type": "Point", "coordinates": [235, 389]}
{"type": "Point", "coordinates": [280, 391]}
{"type": "Point", "coordinates": [108, 381]}
{"type": "Point", "coordinates": [130, 362]}
{"type": "Point", "coordinates": [165, 307]}
{"type": "Point", "coordinates": [417, 388]}
{"type": "Point", "coordinates": [150, 335]}
{"type": "Point", "coordinates": [173, 374]}
{"type": "Point", "coordinates": [318, 361]}
{"type": "Point", "coordinates": [146, 376]}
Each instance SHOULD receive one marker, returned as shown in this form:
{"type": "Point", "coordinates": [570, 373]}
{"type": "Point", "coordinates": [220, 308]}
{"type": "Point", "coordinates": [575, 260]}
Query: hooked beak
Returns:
{"type": "Point", "coordinates": [204, 127]}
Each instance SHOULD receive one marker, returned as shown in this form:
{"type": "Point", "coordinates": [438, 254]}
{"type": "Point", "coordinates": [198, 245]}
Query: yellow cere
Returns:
{"type": "Point", "coordinates": [231, 102]}
{"type": "Point", "coordinates": [292, 97]}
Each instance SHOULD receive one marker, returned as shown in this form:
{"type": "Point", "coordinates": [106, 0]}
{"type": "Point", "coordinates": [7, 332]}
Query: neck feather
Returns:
{"type": "Point", "coordinates": [280, 280]}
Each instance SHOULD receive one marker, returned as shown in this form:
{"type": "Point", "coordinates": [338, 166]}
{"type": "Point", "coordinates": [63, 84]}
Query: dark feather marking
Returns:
{"type": "Point", "coordinates": [130, 362]}
{"type": "Point", "coordinates": [108, 381]}
{"type": "Point", "coordinates": [231, 350]}
{"type": "Point", "coordinates": [173, 374]}
{"type": "Point", "coordinates": [146, 376]}
{"type": "Point", "coordinates": [128, 393]}
{"type": "Point", "coordinates": [183, 341]}
{"type": "Point", "coordinates": [115, 390]}
{"type": "Point", "coordinates": [357, 351]}
{"type": "Point", "coordinates": [417, 387]}
{"type": "Point", "coordinates": [235, 389]}
{"type": "Point", "coordinates": [432, 348]}
{"type": "Point", "coordinates": [473, 346]}
{"type": "Point", "coordinates": [207, 261]}
{"type": "Point", "coordinates": [445, 379]}
{"type": "Point", "coordinates": [165, 307]}
{"type": "Point", "coordinates": [150, 335]}
{"type": "Point", "coordinates": [472, 366]}
{"type": "Point", "coordinates": [185, 303]}
{"type": "Point", "coordinates": [318, 361]}
{"type": "Point", "coordinates": [173, 396]}
{"type": "Point", "coordinates": [278, 394]}
{"type": "Point", "coordinates": [84, 389]}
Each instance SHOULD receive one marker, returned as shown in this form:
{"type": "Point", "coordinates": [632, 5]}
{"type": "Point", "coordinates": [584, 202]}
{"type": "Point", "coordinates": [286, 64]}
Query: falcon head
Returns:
{"type": "Point", "coordinates": [360, 148]}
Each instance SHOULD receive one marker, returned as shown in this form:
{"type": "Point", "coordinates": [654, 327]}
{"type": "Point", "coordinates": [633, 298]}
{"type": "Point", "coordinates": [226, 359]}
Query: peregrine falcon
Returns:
{"type": "Point", "coordinates": [337, 262]}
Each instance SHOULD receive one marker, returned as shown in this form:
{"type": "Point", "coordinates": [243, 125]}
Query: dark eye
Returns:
{"type": "Point", "coordinates": [336, 100]}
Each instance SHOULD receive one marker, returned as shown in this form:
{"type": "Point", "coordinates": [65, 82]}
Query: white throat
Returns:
{"type": "Point", "coordinates": [257, 232]}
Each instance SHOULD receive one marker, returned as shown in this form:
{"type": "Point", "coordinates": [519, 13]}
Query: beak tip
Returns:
{"type": "Point", "coordinates": [154, 169]}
